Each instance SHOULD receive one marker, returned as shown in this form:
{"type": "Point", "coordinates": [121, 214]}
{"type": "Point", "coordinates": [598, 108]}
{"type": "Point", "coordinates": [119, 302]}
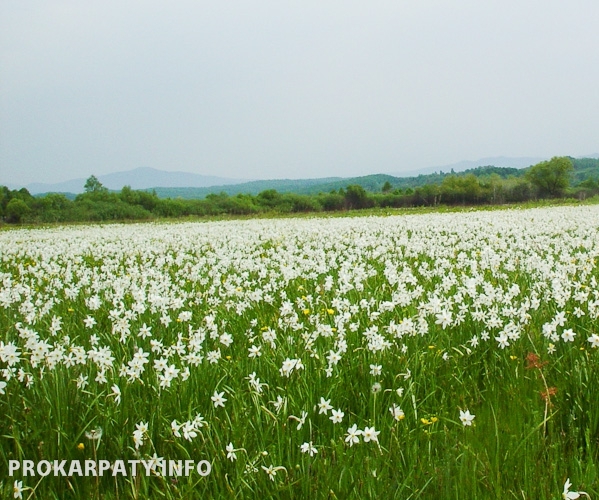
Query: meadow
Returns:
{"type": "Point", "coordinates": [427, 356]}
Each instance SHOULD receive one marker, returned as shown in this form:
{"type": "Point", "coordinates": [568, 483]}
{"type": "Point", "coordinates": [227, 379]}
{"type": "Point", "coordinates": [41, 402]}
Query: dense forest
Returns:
{"type": "Point", "coordinates": [555, 178]}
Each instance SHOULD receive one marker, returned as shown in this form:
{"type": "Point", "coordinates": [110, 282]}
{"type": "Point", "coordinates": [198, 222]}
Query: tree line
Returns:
{"type": "Point", "coordinates": [548, 179]}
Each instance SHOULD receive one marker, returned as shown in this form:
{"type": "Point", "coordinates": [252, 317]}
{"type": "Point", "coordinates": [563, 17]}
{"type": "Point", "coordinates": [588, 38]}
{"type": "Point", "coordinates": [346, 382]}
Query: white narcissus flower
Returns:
{"type": "Point", "coordinates": [324, 406]}
{"type": "Point", "coordinates": [353, 435]}
{"type": "Point", "coordinates": [145, 331]}
{"type": "Point", "coordinates": [231, 455]}
{"type": "Point", "coordinates": [138, 439]}
{"type": "Point", "coordinates": [189, 431]}
{"type": "Point", "coordinates": [337, 416]}
{"type": "Point", "coordinates": [175, 427]}
{"type": "Point", "coordinates": [89, 322]}
{"type": "Point", "coordinates": [376, 370]}
{"type": "Point", "coordinates": [594, 340]}
{"type": "Point", "coordinates": [218, 399]}
{"type": "Point", "coordinates": [308, 448]}
{"type": "Point", "coordinates": [278, 404]}
{"type": "Point", "coordinates": [572, 495]}
{"type": "Point", "coordinates": [397, 412]}
{"type": "Point", "coordinates": [370, 434]}
{"type": "Point", "coordinates": [82, 381]}
{"type": "Point", "coordinates": [17, 489]}
{"type": "Point", "coordinates": [271, 470]}
{"type": "Point", "coordinates": [300, 420]}
{"type": "Point", "coordinates": [116, 392]}
{"type": "Point", "coordinates": [254, 352]}
{"type": "Point", "coordinates": [466, 417]}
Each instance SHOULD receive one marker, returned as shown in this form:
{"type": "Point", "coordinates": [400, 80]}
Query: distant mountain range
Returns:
{"type": "Point", "coordinates": [373, 183]}
{"type": "Point", "coordinates": [583, 169]}
{"type": "Point", "coordinates": [139, 178]}
{"type": "Point", "coordinates": [189, 185]}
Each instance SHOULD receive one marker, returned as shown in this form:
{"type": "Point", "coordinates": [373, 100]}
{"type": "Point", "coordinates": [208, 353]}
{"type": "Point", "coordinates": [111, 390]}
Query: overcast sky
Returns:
{"type": "Point", "coordinates": [292, 89]}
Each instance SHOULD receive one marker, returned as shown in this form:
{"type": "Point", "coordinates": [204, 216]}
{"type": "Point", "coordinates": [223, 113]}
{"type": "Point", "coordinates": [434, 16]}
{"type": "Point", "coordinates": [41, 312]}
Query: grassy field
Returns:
{"type": "Point", "coordinates": [439, 355]}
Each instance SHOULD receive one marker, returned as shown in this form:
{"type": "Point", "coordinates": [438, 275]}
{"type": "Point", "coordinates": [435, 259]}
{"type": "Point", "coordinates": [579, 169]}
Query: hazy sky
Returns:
{"type": "Point", "coordinates": [273, 89]}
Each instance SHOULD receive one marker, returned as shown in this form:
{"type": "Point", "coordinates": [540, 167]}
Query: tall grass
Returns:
{"type": "Point", "coordinates": [343, 296]}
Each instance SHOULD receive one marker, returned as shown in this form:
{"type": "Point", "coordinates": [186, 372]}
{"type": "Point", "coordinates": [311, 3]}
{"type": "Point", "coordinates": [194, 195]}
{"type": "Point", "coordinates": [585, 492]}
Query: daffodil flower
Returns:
{"type": "Point", "coordinates": [572, 495]}
{"type": "Point", "coordinates": [466, 417]}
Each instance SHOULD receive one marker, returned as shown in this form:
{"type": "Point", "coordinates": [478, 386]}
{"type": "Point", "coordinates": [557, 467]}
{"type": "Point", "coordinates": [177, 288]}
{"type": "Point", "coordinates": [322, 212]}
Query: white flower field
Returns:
{"type": "Point", "coordinates": [421, 356]}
